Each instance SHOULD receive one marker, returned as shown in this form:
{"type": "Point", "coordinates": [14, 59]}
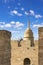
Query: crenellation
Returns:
{"type": "Point", "coordinates": [4, 34]}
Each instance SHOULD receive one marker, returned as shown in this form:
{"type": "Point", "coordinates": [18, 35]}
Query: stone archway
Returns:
{"type": "Point", "coordinates": [27, 61]}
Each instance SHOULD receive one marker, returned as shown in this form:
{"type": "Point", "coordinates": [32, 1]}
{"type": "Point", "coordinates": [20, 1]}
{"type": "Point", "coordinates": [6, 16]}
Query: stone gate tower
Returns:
{"type": "Point", "coordinates": [40, 45]}
{"type": "Point", "coordinates": [5, 47]}
{"type": "Point", "coordinates": [26, 53]}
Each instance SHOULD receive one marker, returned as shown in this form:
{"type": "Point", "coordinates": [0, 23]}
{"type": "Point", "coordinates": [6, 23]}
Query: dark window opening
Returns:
{"type": "Point", "coordinates": [26, 61]}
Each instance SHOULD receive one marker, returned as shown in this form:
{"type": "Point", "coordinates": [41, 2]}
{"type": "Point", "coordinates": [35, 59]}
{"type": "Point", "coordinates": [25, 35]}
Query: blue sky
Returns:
{"type": "Point", "coordinates": [15, 14]}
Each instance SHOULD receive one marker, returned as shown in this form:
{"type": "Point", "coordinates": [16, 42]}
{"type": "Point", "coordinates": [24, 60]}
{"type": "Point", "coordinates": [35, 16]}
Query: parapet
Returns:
{"type": "Point", "coordinates": [5, 34]}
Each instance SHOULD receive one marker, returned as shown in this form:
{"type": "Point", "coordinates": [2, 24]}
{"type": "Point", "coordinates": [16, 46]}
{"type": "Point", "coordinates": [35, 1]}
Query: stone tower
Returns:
{"type": "Point", "coordinates": [26, 53]}
{"type": "Point", "coordinates": [40, 45]}
{"type": "Point", "coordinates": [5, 47]}
{"type": "Point", "coordinates": [28, 35]}
{"type": "Point", "coordinates": [23, 54]}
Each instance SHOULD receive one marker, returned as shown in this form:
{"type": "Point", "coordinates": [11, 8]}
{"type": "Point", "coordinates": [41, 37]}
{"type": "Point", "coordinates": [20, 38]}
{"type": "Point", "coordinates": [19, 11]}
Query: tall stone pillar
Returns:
{"type": "Point", "coordinates": [5, 47]}
{"type": "Point", "coordinates": [40, 30]}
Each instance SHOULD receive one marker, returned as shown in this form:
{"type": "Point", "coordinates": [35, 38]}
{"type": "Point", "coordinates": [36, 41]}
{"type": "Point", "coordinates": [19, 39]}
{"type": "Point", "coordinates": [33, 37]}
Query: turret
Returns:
{"type": "Point", "coordinates": [28, 35]}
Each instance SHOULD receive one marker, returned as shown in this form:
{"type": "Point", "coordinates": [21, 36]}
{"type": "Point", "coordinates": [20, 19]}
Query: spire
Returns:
{"type": "Point", "coordinates": [28, 24]}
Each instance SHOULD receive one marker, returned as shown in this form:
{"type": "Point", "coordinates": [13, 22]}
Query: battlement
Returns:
{"type": "Point", "coordinates": [23, 44]}
{"type": "Point", "coordinates": [5, 34]}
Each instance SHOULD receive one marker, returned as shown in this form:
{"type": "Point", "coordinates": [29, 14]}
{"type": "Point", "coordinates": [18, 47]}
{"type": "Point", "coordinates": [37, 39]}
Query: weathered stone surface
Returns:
{"type": "Point", "coordinates": [5, 47]}
{"type": "Point", "coordinates": [12, 54]}
{"type": "Point", "coordinates": [40, 45]}
{"type": "Point", "coordinates": [18, 54]}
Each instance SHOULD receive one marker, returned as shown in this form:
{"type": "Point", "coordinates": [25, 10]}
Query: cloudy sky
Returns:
{"type": "Point", "coordinates": [15, 14]}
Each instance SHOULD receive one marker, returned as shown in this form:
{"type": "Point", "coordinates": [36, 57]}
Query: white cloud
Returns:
{"type": "Point", "coordinates": [26, 13]}
{"type": "Point", "coordinates": [1, 26]}
{"type": "Point", "coordinates": [18, 24]}
{"type": "Point", "coordinates": [12, 22]}
{"type": "Point", "coordinates": [19, 14]}
{"type": "Point", "coordinates": [7, 25]}
{"type": "Point", "coordinates": [38, 16]}
{"type": "Point", "coordinates": [32, 12]}
{"type": "Point", "coordinates": [38, 25]}
{"type": "Point", "coordinates": [16, 13]}
{"type": "Point", "coordinates": [35, 25]}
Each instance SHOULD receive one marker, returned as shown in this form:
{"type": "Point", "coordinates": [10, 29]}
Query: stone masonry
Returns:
{"type": "Point", "coordinates": [40, 46]}
{"type": "Point", "coordinates": [5, 47]}
{"type": "Point", "coordinates": [14, 52]}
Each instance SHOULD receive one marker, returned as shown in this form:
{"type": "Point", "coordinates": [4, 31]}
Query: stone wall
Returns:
{"type": "Point", "coordinates": [12, 54]}
{"type": "Point", "coordinates": [40, 45]}
{"type": "Point", "coordinates": [5, 47]}
{"type": "Point", "coordinates": [19, 53]}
